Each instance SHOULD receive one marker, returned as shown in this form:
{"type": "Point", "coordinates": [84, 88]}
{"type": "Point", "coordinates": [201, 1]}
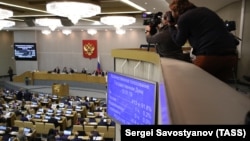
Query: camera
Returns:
{"type": "Point", "coordinates": [153, 19]}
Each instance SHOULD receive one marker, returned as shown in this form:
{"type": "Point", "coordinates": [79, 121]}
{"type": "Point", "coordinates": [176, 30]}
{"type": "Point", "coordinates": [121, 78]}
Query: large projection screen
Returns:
{"type": "Point", "coordinates": [131, 100]}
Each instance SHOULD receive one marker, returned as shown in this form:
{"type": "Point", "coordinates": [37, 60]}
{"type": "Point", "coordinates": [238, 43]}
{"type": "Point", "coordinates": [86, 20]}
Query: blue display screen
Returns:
{"type": "Point", "coordinates": [130, 100]}
{"type": "Point", "coordinates": [25, 51]}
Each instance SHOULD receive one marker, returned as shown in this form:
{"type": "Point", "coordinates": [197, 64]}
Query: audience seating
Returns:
{"type": "Point", "coordinates": [88, 128]}
{"type": "Point", "coordinates": [18, 123]}
{"type": "Point", "coordinates": [77, 128]}
{"type": "Point", "coordinates": [49, 126]}
{"type": "Point", "coordinates": [40, 128]}
{"type": "Point", "coordinates": [103, 129]}
{"type": "Point", "coordinates": [29, 124]}
{"type": "Point", "coordinates": [111, 132]}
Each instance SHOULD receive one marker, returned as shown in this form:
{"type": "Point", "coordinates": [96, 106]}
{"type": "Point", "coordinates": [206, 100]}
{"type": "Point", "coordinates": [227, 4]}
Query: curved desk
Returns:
{"type": "Point", "coordinates": [76, 79]}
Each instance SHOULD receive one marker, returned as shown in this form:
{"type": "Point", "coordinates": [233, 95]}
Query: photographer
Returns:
{"type": "Point", "coordinates": [213, 45]}
{"type": "Point", "coordinates": [165, 46]}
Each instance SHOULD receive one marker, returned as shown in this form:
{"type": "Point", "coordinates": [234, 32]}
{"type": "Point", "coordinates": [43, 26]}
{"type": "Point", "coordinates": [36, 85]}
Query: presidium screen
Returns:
{"type": "Point", "coordinates": [131, 100]}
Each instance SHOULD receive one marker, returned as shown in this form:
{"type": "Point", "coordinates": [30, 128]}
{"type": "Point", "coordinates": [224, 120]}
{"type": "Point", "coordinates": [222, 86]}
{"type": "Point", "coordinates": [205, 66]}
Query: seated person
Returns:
{"type": "Point", "coordinates": [56, 70]}
{"type": "Point", "coordinates": [71, 70]}
{"type": "Point", "coordinates": [2, 119]}
{"type": "Point", "coordinates": [24, 118]}
{"type": "Point", "coordinates": [110, 122]}
{"type": "Point", "coordinates": [76, 137]}
{"type": "Point", "coordinates": [92, 120]}
{"type": "Point", "coordinates": [84, 71]}
{"type": "Point", "coordinates": [106, 122]}
{"type": "Point", "coordinates": [51, 135]}
{"type": "Point", "coordinates": [53, 120]}
{"type": "Point", "coordinates": [65, 70]}
{"type": "Point", "coordinates": [94, 133]}
{"type": "Point", "coordinates": [6, 135]}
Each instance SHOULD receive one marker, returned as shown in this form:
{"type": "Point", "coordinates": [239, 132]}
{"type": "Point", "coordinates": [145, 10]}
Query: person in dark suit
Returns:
{"type": "Point", "coordinates": [76, 137]}
{"type": "Point", "coordinates": [106, 122]}
{"type": "Point", "coordinates": [56, 70]}
{"type": "Point", "coordinates": [6, 135]}
{"type": "Point", "coordinates": [27, 95]}
{"type": "Point", "coordinates": [94, 132]}
{"type": "Point", "coordinates": [24, 118]}
{"type": "Point", "coordinates": [51, 135]}
{"type": "Point", "coordinates": [53, 120]}
{"type": "Point", "coordinates": [19, 95]}
{"type": "Point", "coordinates": [10, 72]}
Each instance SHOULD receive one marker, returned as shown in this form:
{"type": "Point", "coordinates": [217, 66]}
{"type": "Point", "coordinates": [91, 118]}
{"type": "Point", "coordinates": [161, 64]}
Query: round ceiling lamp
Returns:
{"type": "Point", "coordinates": [51, 23]}
{"type": "Point", "coordinates": [66, 31]}
{"type": "Point", "coordinates": [73, 10]}
{"type": "Point", "coordinates": [91, 31]}
{"type": "Point", "coordinates": [118, 21]}
{"type": "Point", "coordinates": [4, 14]}
{"type": "Point", "coordinates": [120, 31]}
{"type": "Point", "coordinates": [6, 23]}
{"type": "Point", "coordinates": [46, 32]}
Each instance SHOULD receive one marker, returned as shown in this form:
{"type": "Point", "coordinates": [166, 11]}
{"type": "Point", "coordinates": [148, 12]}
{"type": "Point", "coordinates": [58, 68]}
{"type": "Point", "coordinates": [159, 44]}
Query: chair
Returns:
{"type": "Point", "coordinates": [103, 129]}
{"type": "Point", "coordinates": [18, 123]}
{"type": "Point", "coordinates": [88, 128]}
{"type": "Point", "coordinates": [111, 132]}
{"type": "Point", "coordinates": [40, 128]}
{"type": "Point", "coordinates": [77, 128]}
{"type": "Point", "coordinates": [48, 126]}
{"type": "Point", "coordinates": [29, 124]}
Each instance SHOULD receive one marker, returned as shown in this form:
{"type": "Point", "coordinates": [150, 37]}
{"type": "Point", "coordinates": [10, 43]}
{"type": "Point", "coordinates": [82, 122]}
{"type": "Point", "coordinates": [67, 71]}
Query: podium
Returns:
{"type": "Point", "coordinates": [60, 89]}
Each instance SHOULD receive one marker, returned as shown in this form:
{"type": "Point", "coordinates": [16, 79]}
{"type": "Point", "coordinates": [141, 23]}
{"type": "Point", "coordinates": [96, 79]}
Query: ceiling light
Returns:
{"type": "Point", "coordinates": [4, 14]}
{"type": "Point", "coordinates": [91, 31]}
{"type": "Point", "coordinates": [120, 31]}
{"type": "Point", "coordinates": [73, 10]}
{"type": "Point", "coordinates": [66, 31]}
{"type": "Point", "coordinates": [6, 23]}
{"type": "Point", "coordinates": [118, 21]}
{"type": "Point", "coordinates": [51, 23]}
{"type": "Point", "coordinates": [46, 32]}
{"type": "Point", "coordinates": [133, 5]}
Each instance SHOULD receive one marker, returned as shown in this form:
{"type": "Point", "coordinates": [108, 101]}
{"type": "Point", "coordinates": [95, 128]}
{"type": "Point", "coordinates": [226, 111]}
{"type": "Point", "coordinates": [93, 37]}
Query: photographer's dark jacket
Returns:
{"type": "Point", "coordinates": [165, 46]}
{"type": "Point", "coordinates": [205, 31]}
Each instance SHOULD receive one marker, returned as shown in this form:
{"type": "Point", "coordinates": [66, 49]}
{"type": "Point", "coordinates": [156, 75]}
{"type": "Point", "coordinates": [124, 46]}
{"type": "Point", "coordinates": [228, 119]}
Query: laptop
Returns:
{"type": "Point", "coordinates": [68, 112]}
{"type": "Point", "coordinates": [78, 107]}
{"type": "Point", "coordinates": [58, 118]}
{"type": "Point", "coordinates": [50, 111]}
{"type": "Point", "coordinates": [47, 117]}
{"type": "Point", "coordinates": [37, 116]}
{"type": "Point", "coordinates": [66, 132]}
{"type": "Point", "coordinates": [26, 130]}
{"type": "Point", "coordinates": [3, 128]}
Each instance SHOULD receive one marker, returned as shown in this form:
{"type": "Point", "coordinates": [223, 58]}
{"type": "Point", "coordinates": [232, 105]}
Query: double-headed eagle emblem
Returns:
{"type": "Point", "coordinates": [89, 49]}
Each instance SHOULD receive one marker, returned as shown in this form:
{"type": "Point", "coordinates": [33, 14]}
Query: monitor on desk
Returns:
{"type": "Point", "coordinates": [26, 130]}
{"type": "Point", "coordinates": [47, 117]}
{"type": "Point", "coordinates": [67, 132]}
{"type": "Point", "coordinates": [50, 111]}
{"type": "Point", "coordinates": [58, 118]}
{"type": "Point", "coordinates": [37, 116]}
{"type": "Point", "coordinates": [68, 112]}
{"type": "Point", "coordinates": [3, 128]}
{"type": "Point", "coordinates": [40, 110]}
{"type": "Point", "coordinates": [78, 107]}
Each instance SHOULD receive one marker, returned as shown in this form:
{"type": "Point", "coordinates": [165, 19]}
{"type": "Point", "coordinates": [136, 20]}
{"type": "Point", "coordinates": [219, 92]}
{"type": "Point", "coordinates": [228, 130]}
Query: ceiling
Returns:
{"type": "Point", "coordinates": [25, 11]}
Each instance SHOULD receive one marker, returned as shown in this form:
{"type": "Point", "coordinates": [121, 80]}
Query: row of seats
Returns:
{"type": "Point", "coordinates": [109, 132]}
